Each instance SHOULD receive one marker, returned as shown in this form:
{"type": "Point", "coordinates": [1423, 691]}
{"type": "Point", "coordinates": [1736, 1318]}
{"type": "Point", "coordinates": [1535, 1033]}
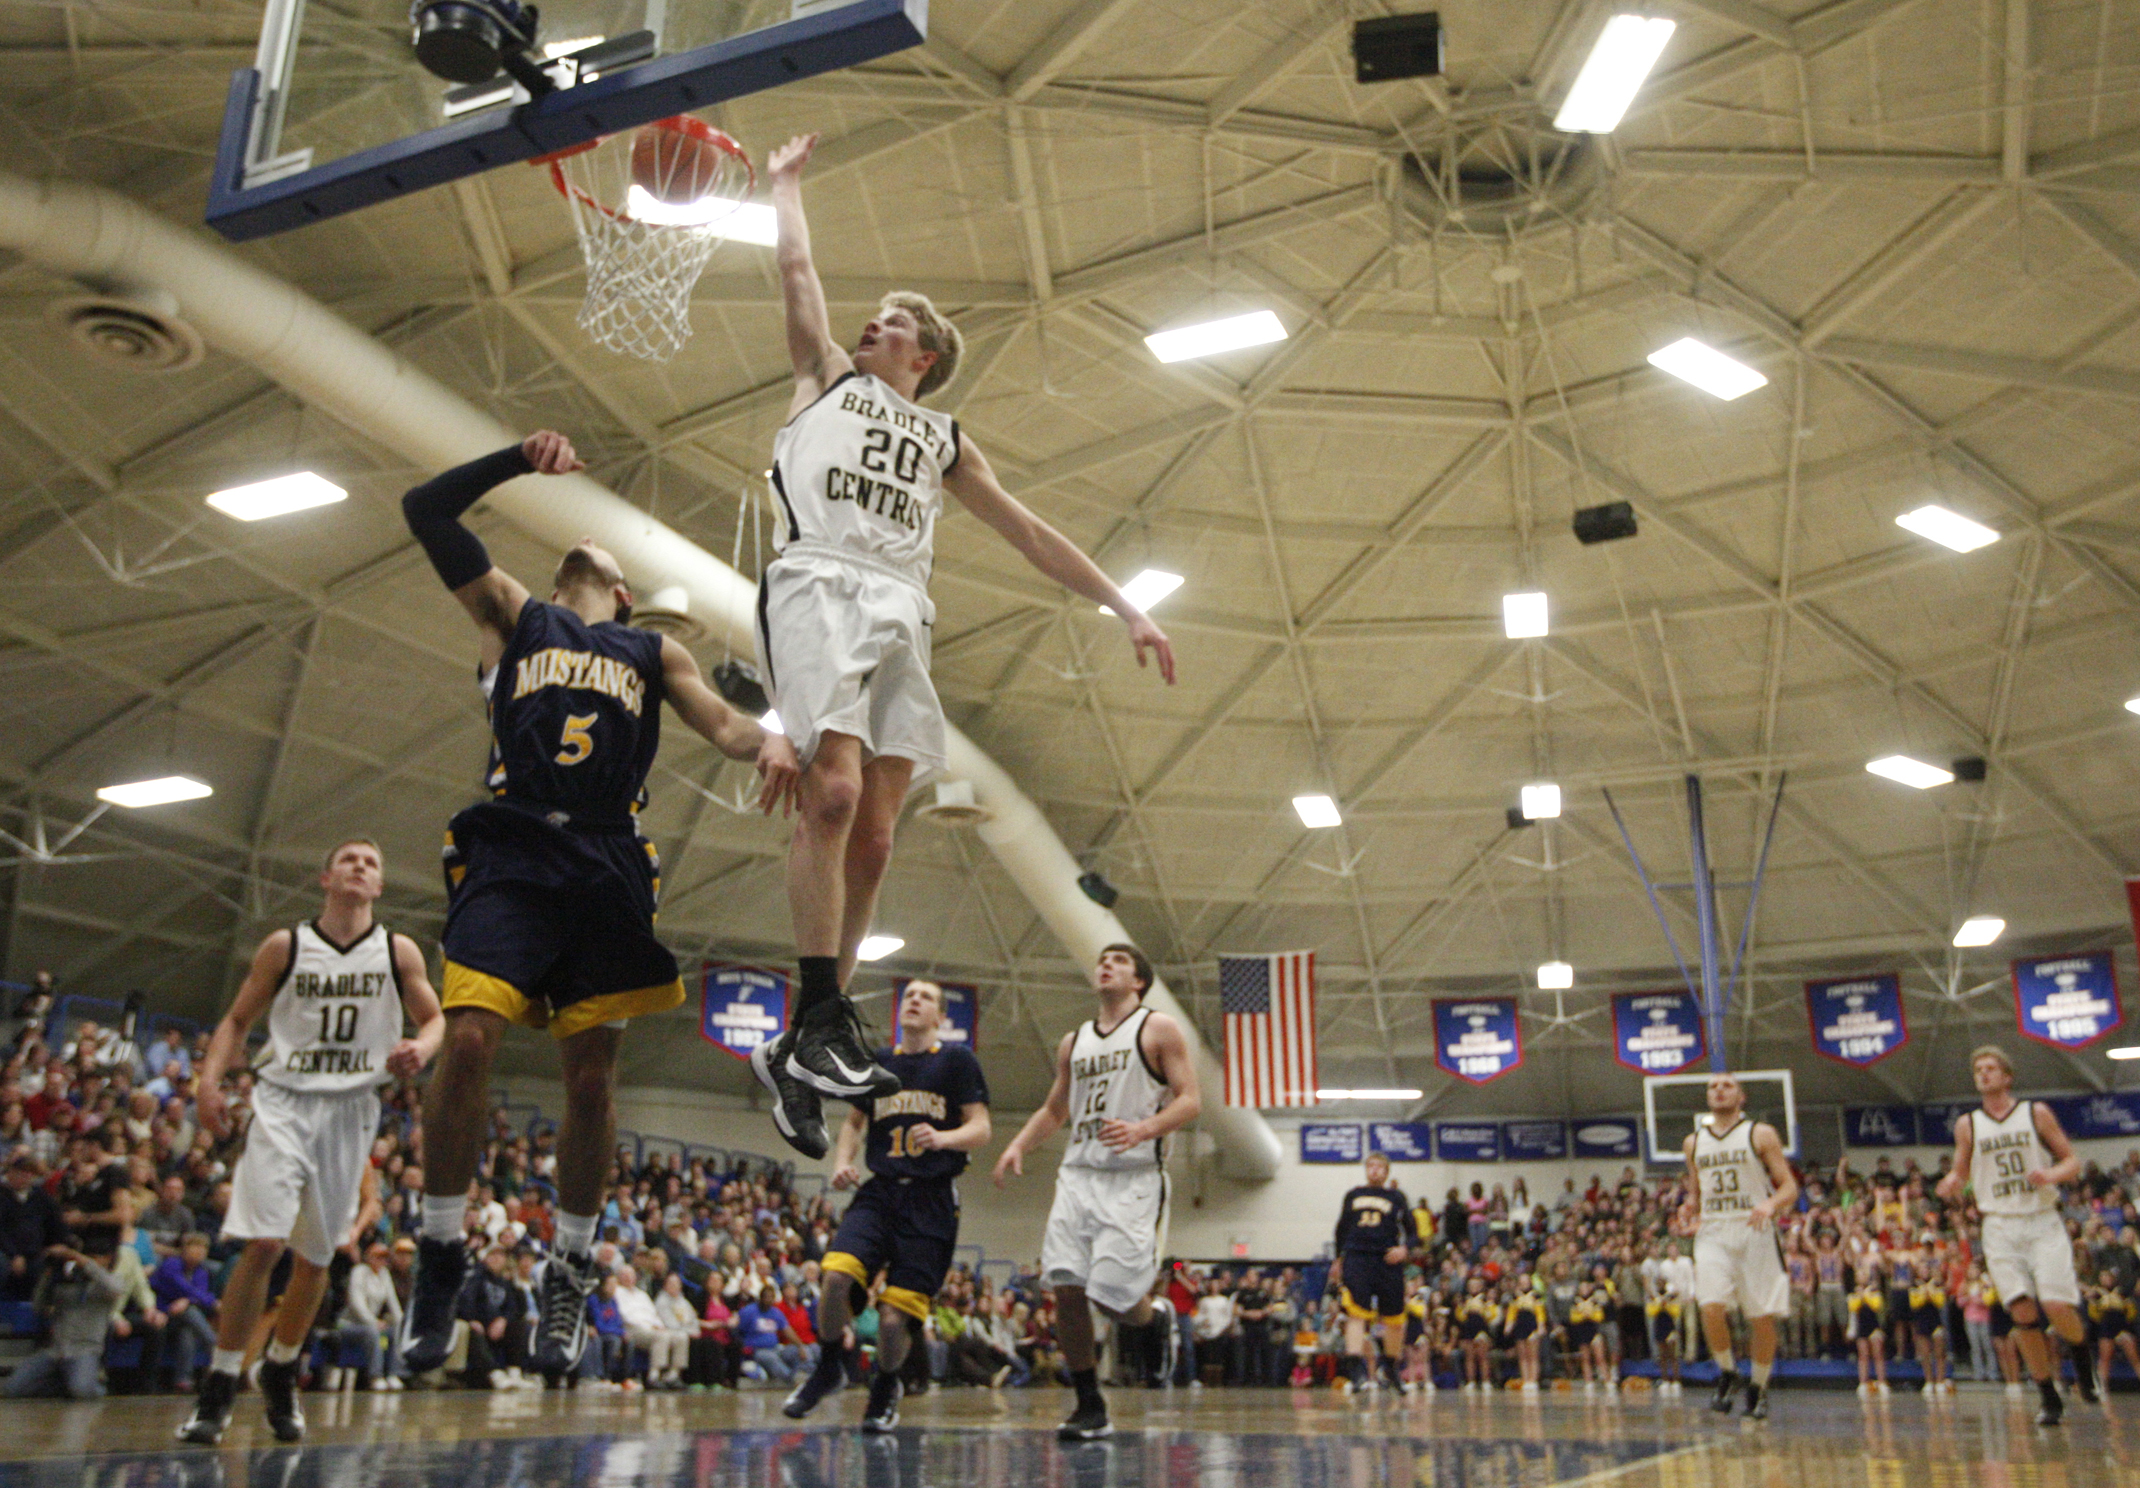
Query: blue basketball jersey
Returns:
{"type": "Point", "coordinates": [575, 715]}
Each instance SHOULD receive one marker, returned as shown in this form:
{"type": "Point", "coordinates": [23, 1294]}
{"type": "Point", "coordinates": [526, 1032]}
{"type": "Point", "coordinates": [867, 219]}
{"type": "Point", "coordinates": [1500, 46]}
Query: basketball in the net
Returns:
{"type": "Point", "coordinates": [673, 163]}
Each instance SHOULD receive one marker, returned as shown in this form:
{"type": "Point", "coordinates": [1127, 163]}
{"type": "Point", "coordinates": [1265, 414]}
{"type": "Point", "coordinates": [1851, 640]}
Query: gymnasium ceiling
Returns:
{"type": "Point", "coordinates": [1918, 217]}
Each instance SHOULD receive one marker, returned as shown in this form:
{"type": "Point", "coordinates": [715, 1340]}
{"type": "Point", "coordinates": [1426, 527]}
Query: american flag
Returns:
{"type": "Point", "coordinates": [1269, 1007]}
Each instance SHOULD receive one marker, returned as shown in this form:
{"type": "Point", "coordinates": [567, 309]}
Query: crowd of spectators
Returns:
{"type": "Point", "coordinates": [114, 1196]}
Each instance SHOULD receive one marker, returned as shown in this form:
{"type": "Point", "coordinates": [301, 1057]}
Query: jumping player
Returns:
{"type": "Point", "coordinates": [1737, 1173]}
{"type": "Point", "coordinates": [2014, 1155]}
{"type": "Point", "coordinates": [334, 990]}
{"type": "Point", "coordinates": [844, 616]}
{"type": "Point", "coordinates": [1375, 1236]}
{"type": "Point", "coordinates": [904, 1220]}
{"type": "Point", "coordinates": [1127, 1080]}
{"type": "Point", "coordinates": [551, 888]}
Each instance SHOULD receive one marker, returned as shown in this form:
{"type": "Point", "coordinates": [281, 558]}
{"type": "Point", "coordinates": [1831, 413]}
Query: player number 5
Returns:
{"type": "Point", "coordinates": [576, 741]}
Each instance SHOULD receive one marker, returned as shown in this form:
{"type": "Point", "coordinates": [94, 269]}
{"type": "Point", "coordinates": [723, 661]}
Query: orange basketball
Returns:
{"type": "Point", "coordinates": [676, 160]}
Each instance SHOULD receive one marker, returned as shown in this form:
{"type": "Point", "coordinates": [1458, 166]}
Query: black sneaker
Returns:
{"type": "Point", "coordinates": [278, 1387]}
{"type": "Point", "coordinates": [2053, 1409]}
{"type": "Point", "coordinates": [211, 1409]}
{"type": "Point", "coordinates": [798, 1115]}
{"type": "Point", "coordinates": [1088, 1424]}
{"type": "Point", "coordinates": [1756, 1402]}
{"type": "Point", "coordinates": [2084, 1375]}
{"type": "Point", "coordinates": [883, 1412]}
{"type": "Point", "coordinates": [427, 1331]}
{"type": "Point", "coordinates": [823, 1381]}
{"type": "Point", "coordinates": [561, 1335]}
{"type": "Point", "coordinates": [829, 1054]}
{"type": "Point", "coordinates": [1727, 1385]}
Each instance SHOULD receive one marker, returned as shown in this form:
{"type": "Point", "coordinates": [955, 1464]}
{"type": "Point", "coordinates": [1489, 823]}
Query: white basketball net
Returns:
{"type": "Point", "coordinates": [640, 273]}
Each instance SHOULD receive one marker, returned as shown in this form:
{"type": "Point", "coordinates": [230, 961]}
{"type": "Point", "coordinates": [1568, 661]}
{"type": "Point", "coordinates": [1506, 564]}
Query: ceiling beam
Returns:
{"type": "Point", "coordinates": [1086, 23]}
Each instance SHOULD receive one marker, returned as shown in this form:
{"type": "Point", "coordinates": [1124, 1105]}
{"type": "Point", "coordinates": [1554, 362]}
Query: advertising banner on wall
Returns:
{"type": "Point", "coordinates": [1477, 1038]}
{"type": "Point", "coordinates": [2106, 1114]}
{"type": "Point", "coordinates": [1401, 1141]}
{"type": "Point", "coordinates": [741, 1007]}
{"type": "Point", "coordinates": [1607, 1136]}
{"type": "Point", "coordinates": [1331, 1142]}
{"type": "Point", "coordinates": [1467, 1141]}
{"type": "Point", "coordinates": [1533, 1141]}
{"type": "Point", "coordinates": [1857, 1020]}
{"type": "Point", "coordinates": [2067, 1002]}
{"type": "Point", "coordinates": [1880, 1126]}
{"type": "Point", "coordinates": [1658, 1033]}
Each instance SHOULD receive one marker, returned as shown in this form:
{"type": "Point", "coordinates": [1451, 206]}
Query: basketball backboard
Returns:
{"type": "Point", "coordinates": [1671, 1104]}
{"type": "Point", "coordinates": [338, 112]}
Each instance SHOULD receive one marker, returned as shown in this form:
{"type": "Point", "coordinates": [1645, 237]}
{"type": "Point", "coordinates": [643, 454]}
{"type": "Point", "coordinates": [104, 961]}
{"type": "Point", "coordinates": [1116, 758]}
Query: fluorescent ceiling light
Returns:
{"type": "Point", "coordinates": [1523, 615]}
{"type": "Point", "coordinates": [2127, 1051]}
{"type": "Point", "coordinates": [1707, 368]}
{"type": "Point", "coordinates": [740, 222]}
{"type": "Point", "coordinates": [1540, 802]}
{"type": "Point", "coordinates": [1948, 529]}
{"type": "Point", "coordinates": [1147, 589]}
{"type": "Point", "coordinates": [1400, 1095]}
{"type": "Point", "coordinates": [1917, 773]}
{"type": "Point", "coordinates": [877, 947]}
{"type": "Point", "coordinates": [159, 792]}
{"type": "Point", "coordinates": [1625, 52]}
{"type": "Point", "coordinates": [1556, 976]}
{"type": "Point", "coordinates": [2132, 705]}
{"type": "Point", "coordinates": [1317, 811]}
{"type": "Point", "coordinates": [277, 497]}
{"type": "Point", "coordinates": [1980, 930]}
{"type": "Point", "coordinates": [1215, 336]}
{"type": "Point", "coordinates": [771, 723]}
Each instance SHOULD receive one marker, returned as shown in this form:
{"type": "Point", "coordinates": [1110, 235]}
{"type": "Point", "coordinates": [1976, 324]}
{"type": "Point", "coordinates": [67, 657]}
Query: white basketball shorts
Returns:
{"type": "Point", "coordinates": [1105, 1233]}
{"type": "Point", "coordinates": [2030, 1255]}
{"type": "Point", "coordinates": [1736, 1265]}
{"type": "Point", "coordinates": [845, 646]}
{"type": "Point", "coordinates": [302, 1173]}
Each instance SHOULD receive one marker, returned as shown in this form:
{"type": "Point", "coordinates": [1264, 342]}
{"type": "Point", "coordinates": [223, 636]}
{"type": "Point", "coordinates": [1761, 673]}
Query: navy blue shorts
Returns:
{"type": "Point", "coordinates": [906, 1228]}
{"type": "Point", "coordinates": [552, 926]}
{"type": "Point", "coordinates": [1374, 1289]}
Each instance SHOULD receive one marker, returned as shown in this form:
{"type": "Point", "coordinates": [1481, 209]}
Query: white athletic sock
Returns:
{"type": "Point", "coordinates": [227, 1361]}
{"type": "Point", "coordinates": [443, 1218]}
{"type": "Point", "coordinates": [1727, 1361]}
{"type": "Point", "coordinates": [575, 1233]}
{"type": "Point", "coordinates": [279, 1352]}
{"type": "Point", "coordinates": [1761, 1374]}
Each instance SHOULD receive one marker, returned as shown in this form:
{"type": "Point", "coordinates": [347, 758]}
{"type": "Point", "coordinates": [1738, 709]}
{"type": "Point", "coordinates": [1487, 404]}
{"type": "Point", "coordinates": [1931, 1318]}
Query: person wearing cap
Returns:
{"type": "Point", "coordinates": [75, 1294]}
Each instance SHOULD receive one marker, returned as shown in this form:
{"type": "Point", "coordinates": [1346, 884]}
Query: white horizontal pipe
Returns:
{"type": "Point", "coordinates": [111, 241]}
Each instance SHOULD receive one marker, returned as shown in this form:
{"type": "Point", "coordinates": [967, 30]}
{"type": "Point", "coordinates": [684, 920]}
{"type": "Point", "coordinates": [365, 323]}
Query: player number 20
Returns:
{"type": "Point", "coordinates": [338, 1025]}
{"type": "Point", "coordinates": [904, 459]}
{"type": "Point", "coordinates": [577, 742]}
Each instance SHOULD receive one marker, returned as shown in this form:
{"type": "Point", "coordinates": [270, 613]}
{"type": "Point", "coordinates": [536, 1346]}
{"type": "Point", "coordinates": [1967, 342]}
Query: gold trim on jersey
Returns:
{"type": "Point", "coordinates": [910, 1302]}
{"type": "Point", "coordinates": [467, 987]}
{"type": "Point", "coordinates": [846, 1265]}
{"type": "Point", "coordinates": [464, 986]}
{"type": "Point", "coordinates": [639, 1002]}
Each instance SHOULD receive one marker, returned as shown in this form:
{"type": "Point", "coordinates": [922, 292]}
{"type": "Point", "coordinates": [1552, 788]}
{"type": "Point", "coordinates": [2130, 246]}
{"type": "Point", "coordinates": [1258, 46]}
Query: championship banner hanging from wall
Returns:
{"type": "Point", "coordinates": [742, 1007]}
{"type": "Point", "coordinates": [1477, 1038]}
{"type": "Point", "coordinates": [1857, 1020]}
{"type": "Point", "coordinates": [1657, 1033]}
{"type": "Point", "coordinates": [962, 1011]}
{"type": "Point", "coordinates": [2067, 1002]}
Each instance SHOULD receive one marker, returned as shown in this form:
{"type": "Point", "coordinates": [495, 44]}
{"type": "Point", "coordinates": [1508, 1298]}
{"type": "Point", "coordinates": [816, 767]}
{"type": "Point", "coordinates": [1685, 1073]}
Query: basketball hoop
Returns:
{"type": "Point", "coordinates": [647, 207]}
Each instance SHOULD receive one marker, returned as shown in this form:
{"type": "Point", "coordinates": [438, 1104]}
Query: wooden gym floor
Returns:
{"type": "Point", "coordinates": [976, 1439]}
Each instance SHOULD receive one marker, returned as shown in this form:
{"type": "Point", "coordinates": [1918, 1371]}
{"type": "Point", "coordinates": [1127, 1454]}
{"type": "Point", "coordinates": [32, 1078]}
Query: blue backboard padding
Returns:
{"type": "Point", "coordinates": [750, 63]}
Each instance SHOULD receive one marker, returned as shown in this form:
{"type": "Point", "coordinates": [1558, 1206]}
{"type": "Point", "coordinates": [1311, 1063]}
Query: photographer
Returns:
{"type": "Point", "coordinates": [74, 1296]}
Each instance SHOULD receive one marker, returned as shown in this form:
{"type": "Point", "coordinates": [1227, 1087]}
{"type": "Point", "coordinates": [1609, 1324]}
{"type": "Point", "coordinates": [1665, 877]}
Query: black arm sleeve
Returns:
{"type": "Point", "coordinates": [1346, 1219]}
{"type": "Point", "coordinates": [433, 512]}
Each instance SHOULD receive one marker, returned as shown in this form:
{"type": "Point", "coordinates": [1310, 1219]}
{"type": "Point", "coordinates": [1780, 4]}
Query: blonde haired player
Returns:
{"type": "Point", "coordinates": [333, 990]}
{"type": "Point", "coordinates": [2014, 1155]}
{"type": "Point", "coordinates": [860, 469]}
{"type": "Point", "coordinates": [1127, 1081]}
{"type": "Point", "coordinates": [1739, 1178]}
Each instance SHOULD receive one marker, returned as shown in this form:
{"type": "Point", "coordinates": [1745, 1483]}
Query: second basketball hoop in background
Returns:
{"type": "Point", "coordinates": [648, 208]}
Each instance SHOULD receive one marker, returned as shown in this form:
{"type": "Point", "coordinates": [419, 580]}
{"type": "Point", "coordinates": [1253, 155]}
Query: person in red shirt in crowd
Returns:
{"type": "Point", "coordinates": [799, 1319]}
{"type": "Point", "coordinates": [37, 1110]}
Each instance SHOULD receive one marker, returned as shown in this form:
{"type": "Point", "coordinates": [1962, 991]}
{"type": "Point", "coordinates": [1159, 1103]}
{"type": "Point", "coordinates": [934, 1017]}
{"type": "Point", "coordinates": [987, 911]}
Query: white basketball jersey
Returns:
{"type": "Point", "coordinates": [862, 471]}
{"type": "Point", "coordinates": [1731, 1174]}
{"type": "Point", "coordinates": [337, 1014]}
{"type": "Point", "coordinates": [2003, 1154]}
{"type": "Point", "coordinates": [1111, 1081]}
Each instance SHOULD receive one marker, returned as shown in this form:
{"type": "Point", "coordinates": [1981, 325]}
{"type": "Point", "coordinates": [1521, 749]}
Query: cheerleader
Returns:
{"type": "Point", "coordinates": [1418, 1369]}
{"type": "Point", "coordinates": [1586, 1316]}
{"type": "Point", "coordinates": [1866, 1304]}
{"type": "Point", "coordinates": [1523, 1330]}
{"type": "Point", "coordinates": [2113, 1318]}
{"type": "Point", "coordinates": [1477, 1318]}
{"type": "Point", "coordinates": [1928, 1321]}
